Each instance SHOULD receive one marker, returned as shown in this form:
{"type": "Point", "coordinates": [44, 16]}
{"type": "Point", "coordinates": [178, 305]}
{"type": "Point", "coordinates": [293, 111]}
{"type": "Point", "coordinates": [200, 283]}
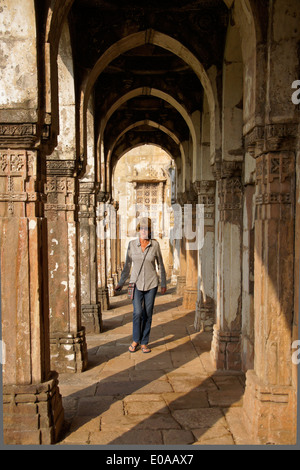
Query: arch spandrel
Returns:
{"type": "Point", "coordinates": [18, 72]}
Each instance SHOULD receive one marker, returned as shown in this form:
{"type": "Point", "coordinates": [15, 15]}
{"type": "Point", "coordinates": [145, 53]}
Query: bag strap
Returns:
{"type": "Point", "coordinates": [142, 263]}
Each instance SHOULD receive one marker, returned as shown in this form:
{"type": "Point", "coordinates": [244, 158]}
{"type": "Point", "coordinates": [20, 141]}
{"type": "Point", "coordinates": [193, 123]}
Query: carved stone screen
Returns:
{"type": "Point", "coordinates": [147, 195]}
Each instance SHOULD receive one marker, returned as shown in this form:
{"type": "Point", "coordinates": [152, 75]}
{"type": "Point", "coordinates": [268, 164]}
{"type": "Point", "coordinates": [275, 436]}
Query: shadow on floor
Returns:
{"type": "Point", "coordinates": [172, 396]}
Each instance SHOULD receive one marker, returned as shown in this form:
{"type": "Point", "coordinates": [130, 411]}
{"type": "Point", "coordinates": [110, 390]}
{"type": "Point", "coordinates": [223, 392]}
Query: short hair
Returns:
{"type": "Point", "coordinates": [145, 222]}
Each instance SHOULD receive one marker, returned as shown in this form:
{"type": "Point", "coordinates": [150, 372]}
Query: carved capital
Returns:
{"type": "Point", "coordinates": [227, 169]}
{"type": "Point", "coordinates": [206, 192]}
{"type": "Point", "coordinates": [272, 137]}
{"type": "Point", "coordinates": [205, 186]}
{"type": "Point", "coordinates": [61, 167]}
{"type": "Point", "coordinates": [61, 194]}
{"type": "Point", "coordinates": [18, 135]}
{"type": "Point", "coordinates": [231, 199]}
{"type": "Point", "coordinates": [20, 183]}
{"type": "Point", "coordinates": [275, 173]}
{"type": "Point", "coordinates": [102, 196]}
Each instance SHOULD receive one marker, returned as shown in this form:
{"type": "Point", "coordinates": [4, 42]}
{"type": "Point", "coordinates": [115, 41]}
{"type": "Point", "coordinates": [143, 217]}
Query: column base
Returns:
{"type": "Point", "coordinates": [119, 273]}
{"type": "Point", "coordinates": [181, 284]}
{"type": "Point", "coordinates": [226, 350]}
{"type": "Point", "coordinates": [115, 279]}
{"type": "Point", "coordinates": [103, 298]}
{"type": "Point", "coordinates": [91, 318]}
{"type": "Point", "coordinates": [110, 287]}
{"type": "Point", "coordinates": [174, 278]}
{"type": "Point", "coordinates": [68, 352]}
{"type": "Point", "coordinates": [32, 414]}
{"type": "Point", "coordinates": [190, 298]}
{"type": "Point", "coordinates": [270, 412]}
{"type": "Point", "coordinates": [205, 316]}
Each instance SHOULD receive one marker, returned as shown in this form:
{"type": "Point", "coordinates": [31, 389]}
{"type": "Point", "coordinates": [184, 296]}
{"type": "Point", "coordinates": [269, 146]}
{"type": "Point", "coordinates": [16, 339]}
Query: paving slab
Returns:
{"type": "Point", "coordinates": [129, 438]}
{"type": "Point", "coordinates": [172, 396]}
{"type": "Point", "coordinates": [183, 401]}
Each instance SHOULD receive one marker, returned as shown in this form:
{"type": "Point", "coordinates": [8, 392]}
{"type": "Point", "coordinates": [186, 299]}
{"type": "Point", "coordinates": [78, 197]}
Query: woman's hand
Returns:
{"type": "Point", "coordinates": [118, 288]}
{"type": "Point", "coordinates": [163, 290]}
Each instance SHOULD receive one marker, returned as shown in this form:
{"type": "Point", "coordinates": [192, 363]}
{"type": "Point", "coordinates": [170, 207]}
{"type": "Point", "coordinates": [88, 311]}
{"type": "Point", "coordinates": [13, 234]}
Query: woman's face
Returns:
{"type": "Point", "coordinates": [144, 233]}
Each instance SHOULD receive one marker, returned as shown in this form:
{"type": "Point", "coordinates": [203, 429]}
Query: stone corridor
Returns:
{"type": "Point", "coordinates": [187, 112]}
{"type": "Point", "coordinates": [172, 396]}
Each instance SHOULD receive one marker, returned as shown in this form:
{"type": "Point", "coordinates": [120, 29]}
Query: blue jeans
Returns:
{"type": "Point", "coordinates": [143, 304]}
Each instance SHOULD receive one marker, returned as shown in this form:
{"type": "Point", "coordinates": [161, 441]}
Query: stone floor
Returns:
{"type": "Point", "coordinates": [172, 396]}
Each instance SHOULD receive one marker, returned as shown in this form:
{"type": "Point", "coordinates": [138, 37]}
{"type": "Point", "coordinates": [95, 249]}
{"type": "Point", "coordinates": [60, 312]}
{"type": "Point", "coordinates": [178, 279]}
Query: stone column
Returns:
{"type": "Point", "coordinates": [101, 250]}
{"type": "Point", "coordinates": [115, 244]}
{"type": "Point", "coordinates": [270, 401]}
{"type": "Point", "coordinates": [67, 335]}
{"type": "Point", "coordinates": [181, 277]}
{"type": "Point", "coordinates": [176, 262]}
{"type": "Point", "coordinates": [226, 344]}
{"type": "Point", "coordinates": [190, 293]}
{"type": "Point", "coordinates": [118, 245]}
{"type": "Point", "coordinates": [90, 307]}
{"type": "Point", "coordinates": [205, 305]}
{"type": "Point", "coordinates": [32, 406]}
{"type": "Point", "coordinates": [111, 232]}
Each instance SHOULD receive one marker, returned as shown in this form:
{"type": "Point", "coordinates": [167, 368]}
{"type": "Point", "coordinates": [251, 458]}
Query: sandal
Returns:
{"type": "Point", "coordinates": [145, 349]}
{"type": "Point", "coordinates": [132, 347]}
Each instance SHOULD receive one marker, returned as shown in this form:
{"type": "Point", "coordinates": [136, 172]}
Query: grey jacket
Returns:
{"type": "Point", "coordinates": [148, 278]}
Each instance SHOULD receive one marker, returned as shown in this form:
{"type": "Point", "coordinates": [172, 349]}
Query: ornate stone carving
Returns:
{"type": "Point", "coordinates": [69, 350]}
{"type": "Point", "coordinates": [18, 134]}
{"type": "Point", "coordinates": [60, 192]}
{"type": "Point", "coordinates": [272, 137]}
{"type": "Point", "coordinates": [274, 173]}
{"type": "Point", "coordinates": [269, 390]}
{"type": "Point", "coordinates": [61, 167]}
{"type": "Point", "coordinates": [18, 180]}
{"type": "Point", "coordinates": [37, 406]}
{"type": "Point", "coordinates": [231, 199]}
{"type": "Point", "coordinates": [206, 196]}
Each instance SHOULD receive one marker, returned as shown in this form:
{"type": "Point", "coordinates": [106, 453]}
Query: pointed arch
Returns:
{"type": "Point", "coordinates": [158, 94]}
{"type": "Point", "coordinates": [164, 41]}
{"type": "Point", "coordinates": [157, 126]}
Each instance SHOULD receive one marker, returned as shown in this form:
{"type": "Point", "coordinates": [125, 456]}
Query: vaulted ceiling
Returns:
{"type": "Point", "coordinates": [199, 25]}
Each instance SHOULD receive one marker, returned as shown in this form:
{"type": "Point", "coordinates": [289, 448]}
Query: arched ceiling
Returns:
{"type": "Point", "coordinates": [97, 25]}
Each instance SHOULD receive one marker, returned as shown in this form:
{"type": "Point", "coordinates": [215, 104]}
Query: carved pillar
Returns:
{"type": "Point", "coordinates": [115, 243]}
{"type": "Point", "coordinates": [176, 262]}
{"type": "Point", "coordinates": [32, 405]}
{"type": "Point", "coordinates": [174, 242]}
{"type": "Point", "coordinates": [270, 402]}
{"type": "Point", "coordinates": [90, 308]}
{"type": "Point", "coordinates": [181, 277]}
{"type": "Point", "coordinates": [109, 250]}
{"type": "Point", "coordinates": [110, 229]}
{"type": "Point", "coordinates": [67, 335]}
{"type": "Point", "coordinates": [101, 250]}
{"type": "Point", "coordinates": [205, 306]}
{"type": "Point", "coordinates": [226, 344]}
{"type": "Point", "coordinates": [191, 289]}
{"type": "Point", "coordinates": [118, 244]}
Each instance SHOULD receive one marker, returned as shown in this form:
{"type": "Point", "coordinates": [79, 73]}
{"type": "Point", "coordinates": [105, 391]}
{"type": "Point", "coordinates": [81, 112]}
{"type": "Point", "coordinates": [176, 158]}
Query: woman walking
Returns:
{"type": "Point", "coordinates": [142, 255]}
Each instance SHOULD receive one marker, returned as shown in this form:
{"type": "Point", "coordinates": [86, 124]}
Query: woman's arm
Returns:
{"type": "Point", "coordinates": [163, 277]}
